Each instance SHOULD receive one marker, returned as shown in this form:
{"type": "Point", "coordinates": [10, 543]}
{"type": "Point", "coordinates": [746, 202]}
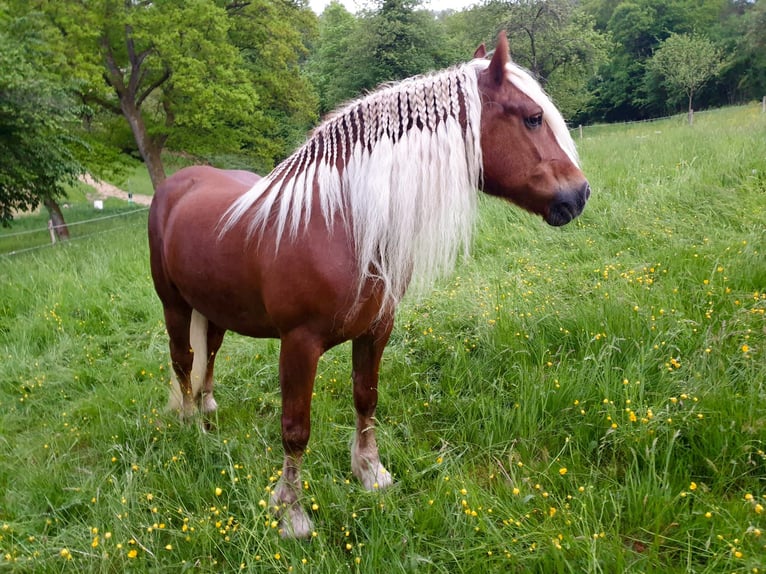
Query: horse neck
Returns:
{"type": "Point", "coordinates": [400, 167]}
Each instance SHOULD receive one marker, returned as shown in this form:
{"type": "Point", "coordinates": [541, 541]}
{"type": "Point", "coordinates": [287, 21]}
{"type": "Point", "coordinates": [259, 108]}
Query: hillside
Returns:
{"type": "Point", "coordinates": [589, 398]}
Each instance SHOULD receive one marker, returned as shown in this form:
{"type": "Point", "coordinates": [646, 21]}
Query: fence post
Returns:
{"type": "Point", "coordinates": [763, 105]}
{"type": "Point", "coordinates": [581, 128]}
{"type": "Point", "coordinates": [52, 232]}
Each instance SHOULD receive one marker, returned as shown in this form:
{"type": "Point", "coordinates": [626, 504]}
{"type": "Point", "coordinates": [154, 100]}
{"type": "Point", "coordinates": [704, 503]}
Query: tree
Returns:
{"type": "Point", "coordinates": [686, 62]}
{"type": "Point", "coordinates": [273, 39]}
{"type": "Point", "coordinates": [399, 40]}
{"type": "Point", "coordinates": [393, 40]}
{"type": "Point", "coordinates": [167, 67]}
{"type": "Point", "coordinates": [36, 119]}
{"type": "Point", "coordinates": [743, 76]}
{"type": "Point", "coordinates": [328, 65]}
{"type": "Point", "coordinates": [558, 42]}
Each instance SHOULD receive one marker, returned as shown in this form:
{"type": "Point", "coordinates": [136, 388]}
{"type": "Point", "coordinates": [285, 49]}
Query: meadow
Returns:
{"type": "Point", "coordinates": [589, 398]}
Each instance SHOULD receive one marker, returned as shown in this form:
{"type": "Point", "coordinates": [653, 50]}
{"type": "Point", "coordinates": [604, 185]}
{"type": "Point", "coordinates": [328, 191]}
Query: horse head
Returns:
{"type": "Point", "coordinates": [529, 157]}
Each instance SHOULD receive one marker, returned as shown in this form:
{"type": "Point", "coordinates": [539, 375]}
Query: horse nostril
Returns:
{"type": "Point", "coordinates": [568, 205]}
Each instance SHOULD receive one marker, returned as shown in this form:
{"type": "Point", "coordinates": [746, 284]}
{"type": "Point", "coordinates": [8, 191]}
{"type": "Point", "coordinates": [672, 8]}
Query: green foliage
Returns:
{"type": "Point", "coordinates": [685, 63]}
{"type": "Point", "coordinates": [36, 119]}
{"type": "Point", "coordinates": [398, 41]}
{"type": "Point", "coordinates": [273, 38]}
{"type": "Point", "coordinates": [327, 67]}
{"type": "Point", "coordinates": [209, 78]}
{"type": "Point", "coordinates": [744, 72]}
{"type": "Point", "coordinates": [391, 41]}
{"type": "Point", "coordinates": [557, 41]}
{"type": "Point", "coordinates": [580, 399]}
{"type": "Point", "coordinates": [624, 90]}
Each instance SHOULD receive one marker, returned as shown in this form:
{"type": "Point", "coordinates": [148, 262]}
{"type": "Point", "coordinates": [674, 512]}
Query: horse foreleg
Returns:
{"type": "Point", "coordinates": [298, 359]}
{"type": "Point", "coordinates": [367, 351]}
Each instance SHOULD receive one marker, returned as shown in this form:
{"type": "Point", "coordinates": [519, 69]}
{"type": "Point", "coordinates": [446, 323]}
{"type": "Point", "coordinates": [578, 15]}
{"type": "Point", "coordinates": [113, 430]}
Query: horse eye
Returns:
{"type": "Point", "coordinates": [534, 122]}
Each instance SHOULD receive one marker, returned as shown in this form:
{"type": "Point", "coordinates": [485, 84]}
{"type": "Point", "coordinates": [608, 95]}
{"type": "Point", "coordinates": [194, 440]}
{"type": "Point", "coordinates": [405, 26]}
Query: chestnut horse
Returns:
{"type": "Point", "coordinates": [321, 250]}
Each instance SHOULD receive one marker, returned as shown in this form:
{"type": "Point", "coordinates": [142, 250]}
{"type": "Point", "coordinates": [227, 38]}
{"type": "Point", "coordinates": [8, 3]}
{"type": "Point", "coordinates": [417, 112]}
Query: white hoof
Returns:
{"type": "Point", "coordinates": [295, 523]}
{"type": "Point", "coordinates": [208, 404]}
{"type": "Point", "coordinates": [373, 475]}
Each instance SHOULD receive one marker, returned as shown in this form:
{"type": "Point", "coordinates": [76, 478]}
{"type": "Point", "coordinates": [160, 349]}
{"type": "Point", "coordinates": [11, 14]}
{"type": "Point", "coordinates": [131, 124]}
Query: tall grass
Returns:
{"type": "Point", "coordinates": [583, 399]}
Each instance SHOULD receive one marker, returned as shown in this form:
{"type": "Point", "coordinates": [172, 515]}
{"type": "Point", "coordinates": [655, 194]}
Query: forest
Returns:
{"type": "Point", "coordinates": [99, 85]}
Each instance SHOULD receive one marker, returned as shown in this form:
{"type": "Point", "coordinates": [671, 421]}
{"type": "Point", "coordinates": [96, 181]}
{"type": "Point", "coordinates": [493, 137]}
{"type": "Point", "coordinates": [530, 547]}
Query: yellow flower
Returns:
{"type": "Point", "coordinates": [562, 471]}
{"type": "Point", "coordinates": [65, 554]}
{"type": "Point", "coordinates": [745, 348]}
{"type": "Point", "coordinates": [693, 486]}
{"type": "Point", "coordinates": [218, 491]}
{"type": "Point", "coordinates": [132, 554]}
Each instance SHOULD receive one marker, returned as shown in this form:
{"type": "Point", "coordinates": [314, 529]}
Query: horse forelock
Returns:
{"type": "Point", "coordinates": [397, 167]}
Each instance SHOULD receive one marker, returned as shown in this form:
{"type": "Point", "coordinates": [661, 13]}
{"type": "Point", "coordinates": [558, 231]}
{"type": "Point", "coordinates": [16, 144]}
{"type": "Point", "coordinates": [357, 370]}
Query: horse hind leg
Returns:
{"type": "Point", "coordinates": [194, 342]}
{"type": "Point", "coordinates": [366, 355]}
{"type": "Point", "coordinates": [211, 343]}
{"type": "Point", "coordinates": [177, 322]}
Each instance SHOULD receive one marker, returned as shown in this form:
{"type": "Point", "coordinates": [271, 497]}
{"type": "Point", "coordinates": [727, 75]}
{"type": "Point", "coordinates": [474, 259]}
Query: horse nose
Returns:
{"type": "Point", "coordinates": [567, 204]}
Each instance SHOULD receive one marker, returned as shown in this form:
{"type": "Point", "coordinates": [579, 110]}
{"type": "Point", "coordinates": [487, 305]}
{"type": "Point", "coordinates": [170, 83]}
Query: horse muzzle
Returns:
{"type": "Point", "coordinates": [567, 205]}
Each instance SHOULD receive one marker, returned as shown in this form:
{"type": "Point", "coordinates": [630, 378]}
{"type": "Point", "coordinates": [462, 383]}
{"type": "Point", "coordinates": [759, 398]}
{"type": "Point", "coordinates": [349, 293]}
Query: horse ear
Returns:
{"type": "Point", "coordinates": [499, 59]}
{"type": "Point", "coordinates": [481, 52]}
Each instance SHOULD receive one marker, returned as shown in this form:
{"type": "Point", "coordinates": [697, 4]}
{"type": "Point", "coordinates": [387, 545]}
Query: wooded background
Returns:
{"type": "Point", "coordinates": [95, 86]}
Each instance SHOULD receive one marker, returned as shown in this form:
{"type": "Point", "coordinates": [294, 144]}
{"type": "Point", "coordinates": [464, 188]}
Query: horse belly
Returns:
{"type": "Point", "coordinates": [250, 286]}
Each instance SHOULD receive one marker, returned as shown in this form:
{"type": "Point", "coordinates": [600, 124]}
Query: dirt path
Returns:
{"type": "Point", "coordinates": [104, 189]}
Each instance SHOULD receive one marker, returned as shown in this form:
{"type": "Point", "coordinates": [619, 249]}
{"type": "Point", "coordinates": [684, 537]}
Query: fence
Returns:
{"type": "Point", "coordinates": [578, 131]}
{"type": "Point", "coordinates": [41, 236]}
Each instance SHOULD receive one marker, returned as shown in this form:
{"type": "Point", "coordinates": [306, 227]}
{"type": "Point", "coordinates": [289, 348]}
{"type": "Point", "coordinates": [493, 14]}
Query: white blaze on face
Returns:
{"type": "Point", "coordinates": [551, 115]}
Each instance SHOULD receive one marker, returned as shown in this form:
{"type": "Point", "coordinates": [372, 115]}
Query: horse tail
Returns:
{"type": "Point", "coordinates": [198, 341]}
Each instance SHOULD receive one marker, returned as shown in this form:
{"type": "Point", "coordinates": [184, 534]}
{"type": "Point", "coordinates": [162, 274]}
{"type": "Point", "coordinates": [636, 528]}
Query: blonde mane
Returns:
{"type": "Point", "coordinates": [400, 171]}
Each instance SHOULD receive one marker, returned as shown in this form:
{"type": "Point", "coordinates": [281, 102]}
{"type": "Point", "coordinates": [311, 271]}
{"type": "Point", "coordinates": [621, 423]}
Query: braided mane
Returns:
{"type": "Point", "coordinates": [398, 168]}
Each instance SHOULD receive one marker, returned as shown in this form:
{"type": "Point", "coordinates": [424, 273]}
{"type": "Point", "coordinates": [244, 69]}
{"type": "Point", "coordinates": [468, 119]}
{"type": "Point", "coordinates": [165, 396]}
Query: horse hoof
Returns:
{"type": "Point", "coordinates": [376, 479]}
{"type": "Point", "coordinates": [208, 404]}
{"type": "Point", "coordinates": [295, 523]}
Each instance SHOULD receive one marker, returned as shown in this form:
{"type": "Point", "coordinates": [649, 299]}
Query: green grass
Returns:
{"type": "Point", "coordinates": [583, 399]}
{"type": "Point", "coordinates": [30, 232]}
{"type": "Point", "coordinates": [136, 178]}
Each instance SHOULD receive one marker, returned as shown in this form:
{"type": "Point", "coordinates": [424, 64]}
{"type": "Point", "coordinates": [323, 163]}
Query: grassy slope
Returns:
{"type": "Point", "coordinates": [590, 398]}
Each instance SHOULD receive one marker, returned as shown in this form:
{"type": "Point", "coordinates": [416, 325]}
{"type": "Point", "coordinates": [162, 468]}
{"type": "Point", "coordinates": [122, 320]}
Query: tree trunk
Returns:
{"type": "Point", "coordinates": [691, 109]}
{"type": "Point", "coordinates": [59, 225]}
{"type": "Point", "coordinates": [130, 93]}
{"type": "Point", "coordinates": [149, 149]}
